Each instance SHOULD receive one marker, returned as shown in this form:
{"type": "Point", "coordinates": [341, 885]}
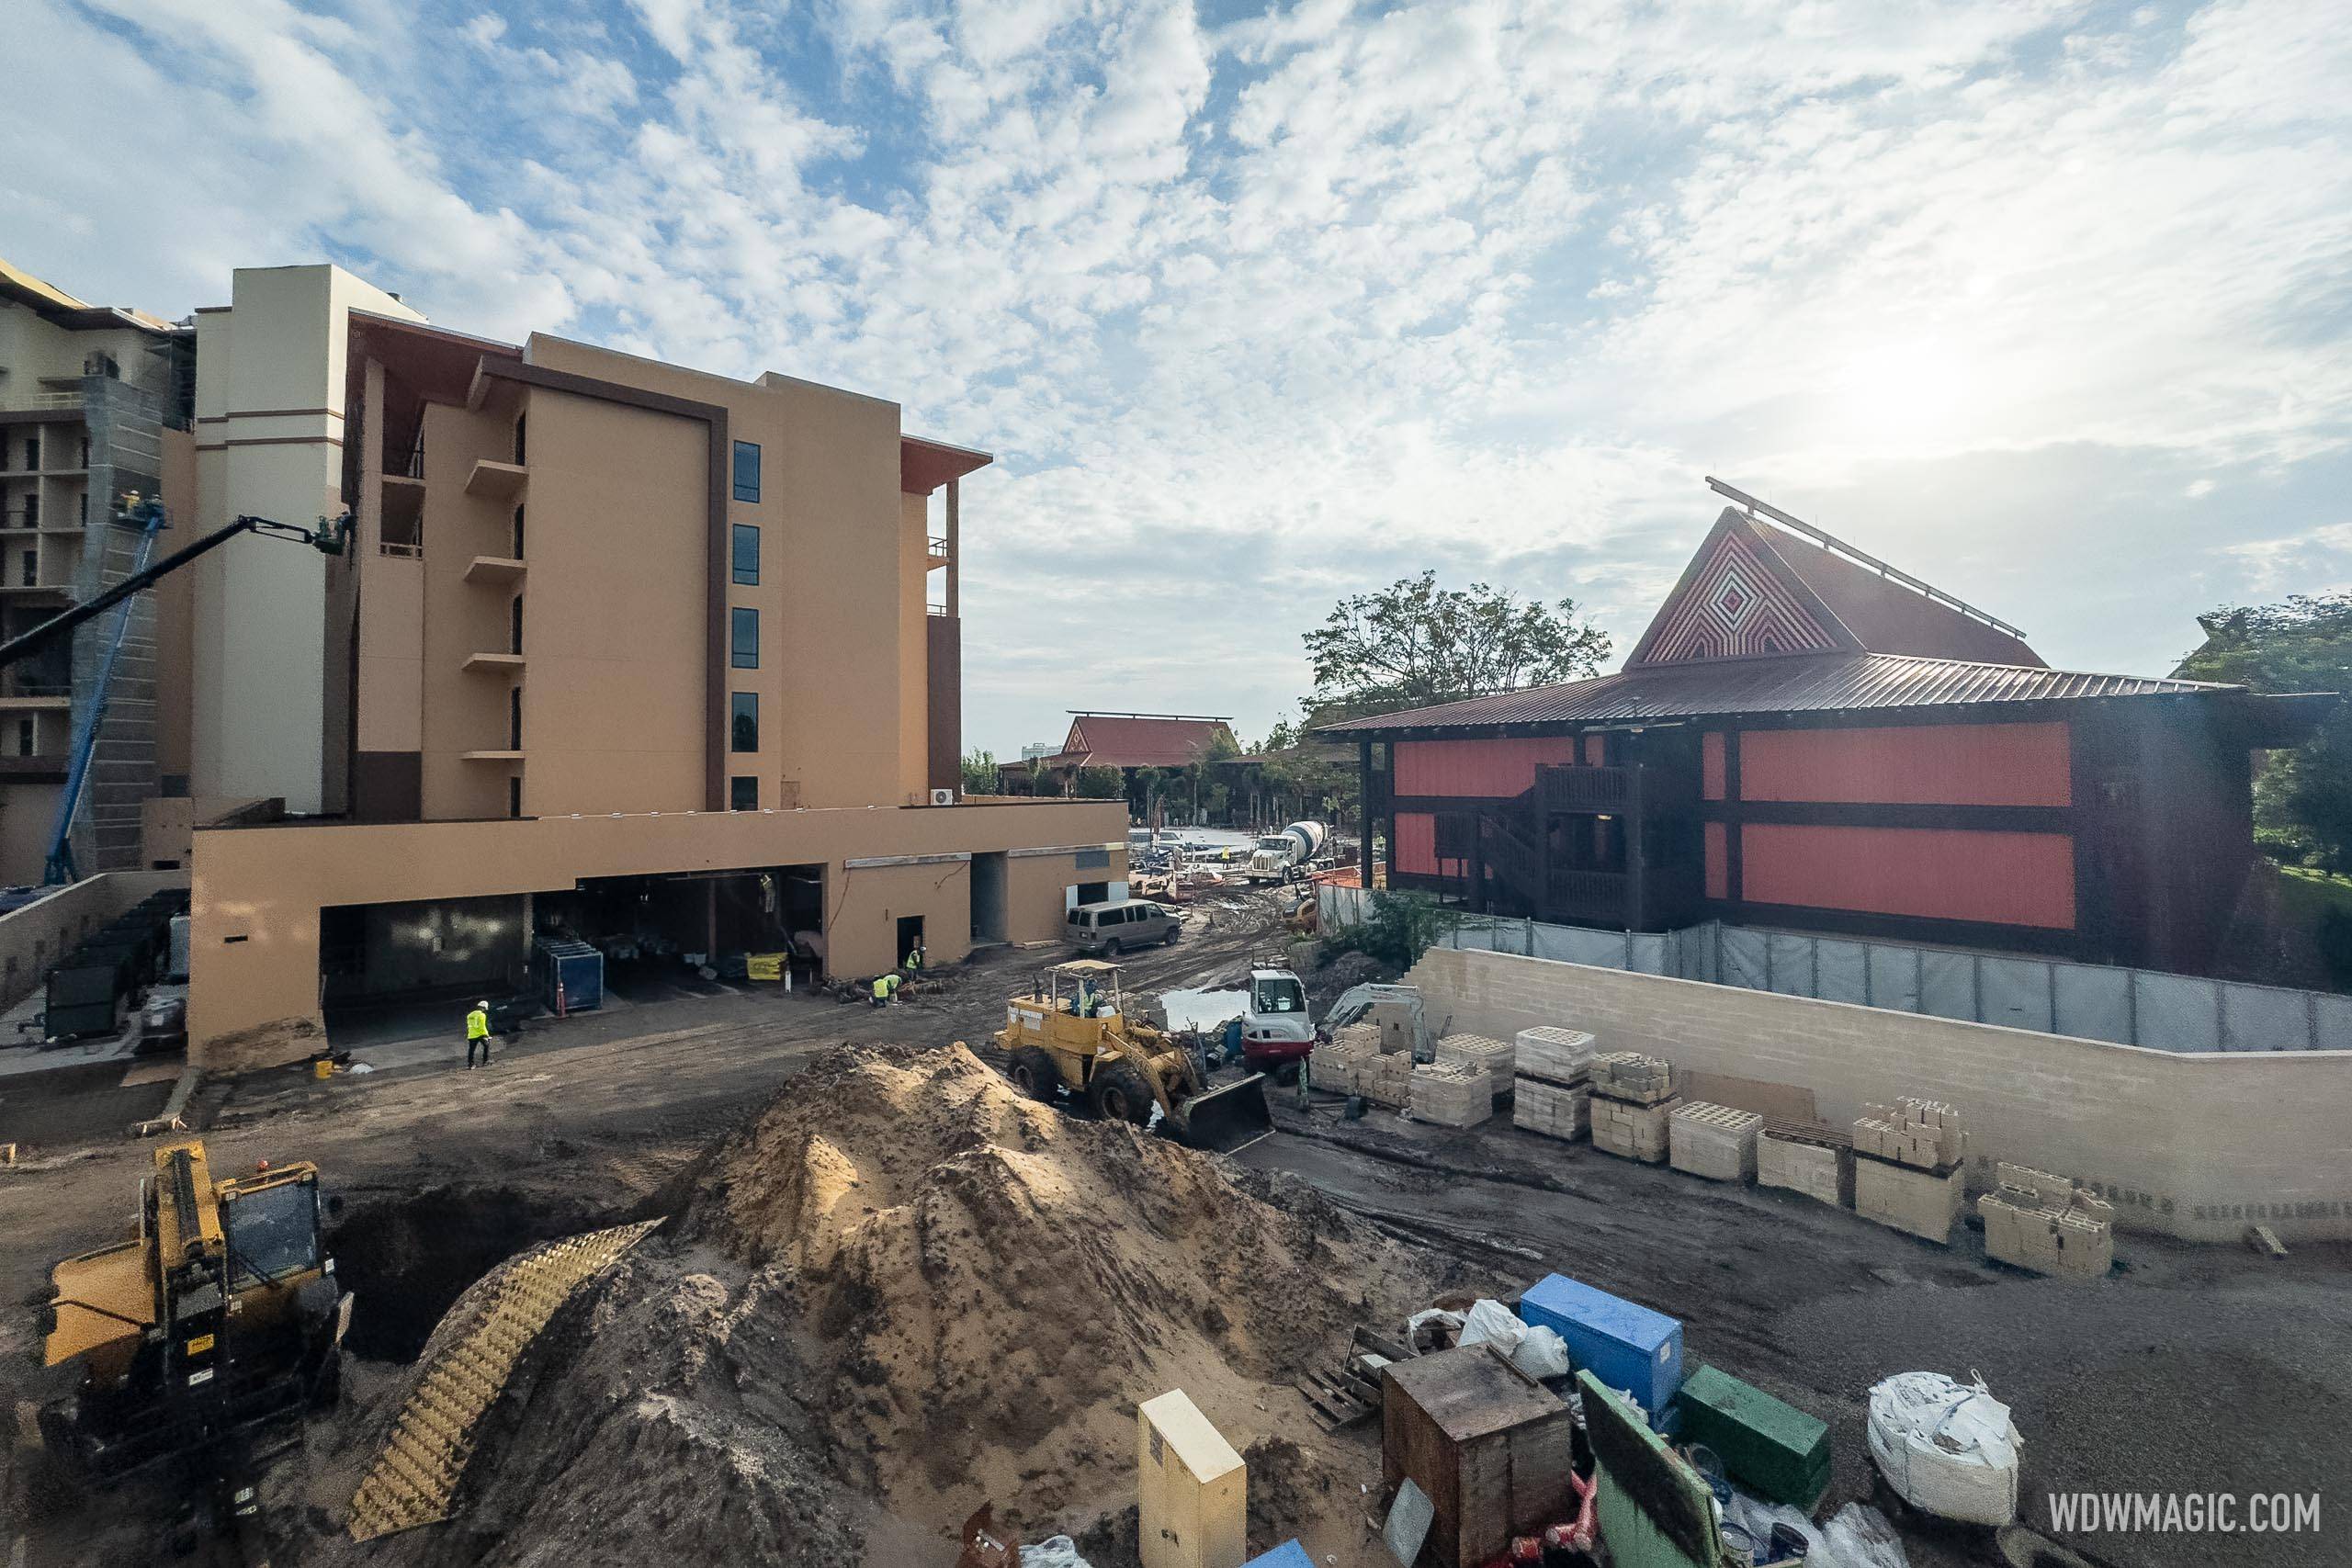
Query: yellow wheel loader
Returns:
{"type": "Point", "coordinates": [219, 1314]}
{"type": "Point", "coordinates": [1071, 1032]}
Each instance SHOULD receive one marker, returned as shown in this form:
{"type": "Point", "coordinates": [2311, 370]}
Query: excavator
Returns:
{"type": "Point", "coordinates": [1073, 1031]}
{"type": "Point", "coordinates": [219, 1316]}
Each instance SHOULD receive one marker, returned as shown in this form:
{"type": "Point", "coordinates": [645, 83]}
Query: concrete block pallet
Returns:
{"type": "Point", "coordinates": [1556, 1111]}
{"type": "Point", "coordinates": [1811, 1157]}
{"type": "Point", "coordinates": [1450, 1096]}
{"type": "Point", "coordinates": [1631, 1130]}
{"type": "Point", "coordinates": [1906, 1198]}
{"type": "Point", "coordinates": [1563, 1055]}
{"type": "Point", "coordinates": [1480, 1053]}
{"type": "Point", "coordinates": [1717, 1142]}
{"type": "Point", "coordinates": [1923, 1134]}
{"type": "Point", "coordinates": [1632, 1077]}
{"type": "Point", "coordinates": [2048, 1224]}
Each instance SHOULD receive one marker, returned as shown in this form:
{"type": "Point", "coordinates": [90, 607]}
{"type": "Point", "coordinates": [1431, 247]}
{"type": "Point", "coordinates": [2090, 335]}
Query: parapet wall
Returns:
{"type": "Point", "coordinates": [2197, 1145]}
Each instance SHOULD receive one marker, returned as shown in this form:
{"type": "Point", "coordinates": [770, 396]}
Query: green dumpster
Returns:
{"type": "Point", "coordinates": [1771, 1448]}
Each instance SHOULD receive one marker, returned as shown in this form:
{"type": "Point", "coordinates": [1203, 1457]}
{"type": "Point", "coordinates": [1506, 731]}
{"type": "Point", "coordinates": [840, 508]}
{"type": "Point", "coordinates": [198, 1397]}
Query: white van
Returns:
{"type": "Point", "coordinates": [1119, 924]}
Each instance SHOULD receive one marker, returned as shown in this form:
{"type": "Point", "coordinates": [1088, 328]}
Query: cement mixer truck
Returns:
{"type": "Point", "coordinates": [1281, 856]}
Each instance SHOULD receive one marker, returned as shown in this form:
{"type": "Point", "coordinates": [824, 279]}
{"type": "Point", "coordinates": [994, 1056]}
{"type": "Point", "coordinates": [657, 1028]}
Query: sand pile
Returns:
{"type": "Point", "coordinates": [999, 1283]}
{"type": "Point", "coordinates": [904, 1290]}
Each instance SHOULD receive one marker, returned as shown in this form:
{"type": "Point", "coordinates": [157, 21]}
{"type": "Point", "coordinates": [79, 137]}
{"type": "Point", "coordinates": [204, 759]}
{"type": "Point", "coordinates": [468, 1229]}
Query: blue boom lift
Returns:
{"type": "Point", "coordinates": [147, 515]}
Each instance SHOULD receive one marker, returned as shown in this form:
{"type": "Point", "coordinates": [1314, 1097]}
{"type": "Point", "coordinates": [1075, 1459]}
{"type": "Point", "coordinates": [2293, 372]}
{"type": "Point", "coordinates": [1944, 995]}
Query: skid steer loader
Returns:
{"type": "Point", "coordinates": [1073, 1031]}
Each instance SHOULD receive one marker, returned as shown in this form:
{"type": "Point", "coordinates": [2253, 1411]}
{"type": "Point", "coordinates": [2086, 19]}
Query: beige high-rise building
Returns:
{"type": "Point", "coordinates": [620, 652]}
{"type": "Point", "coordinates": [89, 396]}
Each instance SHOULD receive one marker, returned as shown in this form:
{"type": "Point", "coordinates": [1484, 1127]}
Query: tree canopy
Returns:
{"type": "Point", "coordinates": [2302, 798]}
{"type": "Point", "coordinates": [1414, 643]}
{"type": "Point", "coordinates": [980, 772]}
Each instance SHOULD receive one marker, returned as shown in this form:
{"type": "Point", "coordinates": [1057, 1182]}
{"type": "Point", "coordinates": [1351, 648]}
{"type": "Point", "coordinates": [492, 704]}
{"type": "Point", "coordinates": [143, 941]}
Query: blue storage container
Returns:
{"type": "Point", "coordinates": [578, 967]}
{"type": "Point", "coordinates": [1624, 1346]}
{"type": "Point", "coordinates": [1289, 1554]}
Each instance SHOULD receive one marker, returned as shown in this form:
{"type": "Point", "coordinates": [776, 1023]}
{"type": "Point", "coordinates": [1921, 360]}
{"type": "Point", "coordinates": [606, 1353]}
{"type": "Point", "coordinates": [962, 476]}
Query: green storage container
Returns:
{"type": "Point", "coordinates": [1771, 1448]}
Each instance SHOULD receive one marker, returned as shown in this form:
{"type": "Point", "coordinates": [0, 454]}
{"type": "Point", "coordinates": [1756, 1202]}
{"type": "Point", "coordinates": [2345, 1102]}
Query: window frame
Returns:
{"type": "Point", "coordinates": [739, 655]}
{"type": "Point", "coordinates": [745, 491]}
{"type": "Point", "coordinates": [736, 791]}
{"type": "Point", "coordinates": [742, 708]}
{"type": "Point", "coordinates": [738, 533]}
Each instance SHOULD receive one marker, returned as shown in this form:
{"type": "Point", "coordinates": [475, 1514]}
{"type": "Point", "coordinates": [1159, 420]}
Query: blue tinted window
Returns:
{"type": "Point", "coordinates": [744, 630]}
{"type": "Point", "coordinates": [747, 554]}
{"type": "Point", "coordinates": [747, 471]}
{"type": "Point", "coordinates": [746, 725]}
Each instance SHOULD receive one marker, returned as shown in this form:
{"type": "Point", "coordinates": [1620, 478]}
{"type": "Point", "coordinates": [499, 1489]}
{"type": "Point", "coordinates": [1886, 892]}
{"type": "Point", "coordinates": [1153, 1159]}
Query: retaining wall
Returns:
{"type": "Point", "coordinates": [36, 936]}
{"type": "Point", "coordinates": [2194, 1145]}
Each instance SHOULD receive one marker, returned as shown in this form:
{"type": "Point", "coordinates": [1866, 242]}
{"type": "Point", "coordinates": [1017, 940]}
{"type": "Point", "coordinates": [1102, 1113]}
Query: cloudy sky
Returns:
{"type": "Point", "coordinates": [2046, 303]}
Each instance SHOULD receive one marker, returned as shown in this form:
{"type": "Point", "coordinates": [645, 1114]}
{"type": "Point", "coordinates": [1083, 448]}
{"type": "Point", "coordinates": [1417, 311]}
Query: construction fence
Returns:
{"type": "Point", "coordinates": [2125, 1006]}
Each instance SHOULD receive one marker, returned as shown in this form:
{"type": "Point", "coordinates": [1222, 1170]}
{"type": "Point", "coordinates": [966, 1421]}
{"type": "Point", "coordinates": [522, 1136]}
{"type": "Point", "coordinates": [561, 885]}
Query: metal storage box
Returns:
{"type": "Point", "coordinates": [1771, 1447]}
{"type": "Point", "coordinates": [577, 968]}
{"type": "Point", "coordinates": [1624, 1344]}
{"type": "Point", "coordinates": [1191, 1489]}
{"type": "Point", "coordinates": [1490, 1446]}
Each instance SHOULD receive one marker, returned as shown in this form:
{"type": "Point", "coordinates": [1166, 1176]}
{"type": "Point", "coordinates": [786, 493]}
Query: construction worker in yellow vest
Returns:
{"type": "Point", "coordinates": [478, 1035]}
{"type": "Point", "coordinates": [886, 986]}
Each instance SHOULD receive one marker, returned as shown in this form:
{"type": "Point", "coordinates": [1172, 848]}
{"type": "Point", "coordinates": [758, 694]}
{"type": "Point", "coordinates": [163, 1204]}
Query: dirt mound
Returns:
{"type": "Point", "coordinates": [999, 1284]}
{"type": "Point", "coordinates": [902, 1291]}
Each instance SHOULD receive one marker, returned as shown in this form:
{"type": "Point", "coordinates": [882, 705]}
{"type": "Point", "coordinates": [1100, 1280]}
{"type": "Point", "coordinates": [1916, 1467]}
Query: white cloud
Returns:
{"type": "Point", "coordinates": [1274, 308]}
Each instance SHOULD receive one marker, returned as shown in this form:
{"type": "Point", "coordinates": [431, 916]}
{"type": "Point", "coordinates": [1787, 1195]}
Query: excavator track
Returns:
{"type": "Point", "coordinates": [417, 1473]}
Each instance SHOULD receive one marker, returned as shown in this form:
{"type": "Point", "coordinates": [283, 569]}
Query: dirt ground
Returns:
{"type": "Point", "coordinates": [2193, 1370]}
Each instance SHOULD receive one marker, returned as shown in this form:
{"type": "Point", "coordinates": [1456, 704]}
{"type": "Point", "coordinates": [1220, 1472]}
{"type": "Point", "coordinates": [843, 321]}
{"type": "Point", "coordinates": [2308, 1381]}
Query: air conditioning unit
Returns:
{"type": "Point", "coordinates": [943, 797]}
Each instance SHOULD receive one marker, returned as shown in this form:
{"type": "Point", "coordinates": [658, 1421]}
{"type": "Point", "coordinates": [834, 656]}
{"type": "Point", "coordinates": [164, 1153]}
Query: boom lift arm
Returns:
{"type": "Point", "coordinates": [329, 539]}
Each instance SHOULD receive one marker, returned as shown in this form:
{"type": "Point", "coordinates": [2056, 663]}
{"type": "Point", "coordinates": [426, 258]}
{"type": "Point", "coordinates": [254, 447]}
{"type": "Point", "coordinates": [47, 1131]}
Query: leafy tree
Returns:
{"type": "Point", "coordinates": [979, 773]}
{"type": "Point", "coordinates": [1413, 644]}
{"type": "Point", "coordinates": [2302, 798]}
{"type": "Point", "coordinates": [1101, 783]}
{"type": "Point", "coordinates": [1397, 929]}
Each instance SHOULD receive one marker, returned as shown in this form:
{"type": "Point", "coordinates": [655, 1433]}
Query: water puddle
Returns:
{"type": "Point", "coordinates": [1195, 1008]}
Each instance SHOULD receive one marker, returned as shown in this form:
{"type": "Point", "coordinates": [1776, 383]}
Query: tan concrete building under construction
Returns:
{"type": "Point", "coordinates": [621, 652]}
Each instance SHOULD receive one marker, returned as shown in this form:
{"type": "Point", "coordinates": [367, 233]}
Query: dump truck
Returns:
{"type": "Point", "coordinates": [1279, 856]}
{"type": "Point", "coordinates": [1072, 1032]}
{"type": "Point", "coordinates": [218, 1316]}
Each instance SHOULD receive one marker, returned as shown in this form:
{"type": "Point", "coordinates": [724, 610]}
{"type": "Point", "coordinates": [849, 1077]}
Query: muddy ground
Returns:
{"type": "Point", "coordinates": [2193, 1370]}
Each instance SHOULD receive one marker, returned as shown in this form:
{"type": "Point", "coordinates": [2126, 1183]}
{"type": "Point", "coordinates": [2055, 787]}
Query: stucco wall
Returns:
{"type": "Point", "coordinates": [254, 981]}
{"type": "Point", "coordinates": [2194, 1145]}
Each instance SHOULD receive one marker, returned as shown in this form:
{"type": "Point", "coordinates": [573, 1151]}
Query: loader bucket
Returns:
{"type": "Point", "coordinates": [1228, 1120]}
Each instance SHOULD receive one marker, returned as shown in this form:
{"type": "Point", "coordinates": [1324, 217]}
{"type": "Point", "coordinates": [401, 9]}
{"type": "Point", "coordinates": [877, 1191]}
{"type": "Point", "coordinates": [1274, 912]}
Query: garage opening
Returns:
{"type": "Point", "coordinates": [375, 958]}
{"type": "Point", "coordinates": [694, 932]}
{"type": "Point", "coordinates": [989, 920]}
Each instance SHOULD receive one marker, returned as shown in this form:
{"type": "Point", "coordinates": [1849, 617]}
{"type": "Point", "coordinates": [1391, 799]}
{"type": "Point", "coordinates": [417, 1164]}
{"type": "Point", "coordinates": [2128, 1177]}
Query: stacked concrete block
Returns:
{"type": "Point", "coordinates": [1632, 1077]}
{"type": "Point", "coordinates": [1906, 1197]}
{"type": "Point", "coordinates": [1480, 1053]}
{"type": "Point", "coordinates": [1450, 1096]}
{"type": "Point", "coordinates": [1562, 1056]}
{"type": "Point", "coordinates": [1925, 1134]}
{"type": "Point", "coordinates": [1633, 1132]}
{"type": "Point", "coordinates": [1547, 1108]}
{"type": "Point", "coordinates": [1338, 1062]}
{"type": "Point", "coordinates": [1717, 1142]}
{"type": "Point", "coordinates": [1812, 1158]}
{"type": "Point", "coordinates": [1386, 1079]}
{"type": "Point", "coordinates": [2048, 1224]}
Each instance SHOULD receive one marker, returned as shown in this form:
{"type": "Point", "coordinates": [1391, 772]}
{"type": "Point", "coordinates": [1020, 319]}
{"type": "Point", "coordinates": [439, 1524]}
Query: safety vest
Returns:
{"type": "Point", "coordinates": [914, 959]}
{"type": "Point", "coordinates": [477, 1025]}
{"type": "Point", "coordinates": [882, 987]}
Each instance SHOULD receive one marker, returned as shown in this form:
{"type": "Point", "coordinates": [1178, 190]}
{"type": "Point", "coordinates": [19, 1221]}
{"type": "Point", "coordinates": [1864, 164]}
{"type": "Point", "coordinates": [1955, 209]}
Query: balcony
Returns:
{"type": "Point", "coordinates": [937, 550]}
{"type": "Point", "coordinates": [1629, 791]}
{"type": "Point", "coordinates": [494, 664]}
{"type": "Point", "coordinates": [496, 571]}
{"type": "Point", "coordinates": [496, 481]}
{"type": "Point", "coordinates": [509, 757]}
{"type": "Point", "coordinates": [1601, 896]}
{"type": "Point", "coordinates": [41, 402]}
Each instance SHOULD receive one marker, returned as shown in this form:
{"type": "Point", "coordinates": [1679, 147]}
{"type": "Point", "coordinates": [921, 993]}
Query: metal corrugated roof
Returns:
{"type": "Point", "coordinates": [1797, 684]}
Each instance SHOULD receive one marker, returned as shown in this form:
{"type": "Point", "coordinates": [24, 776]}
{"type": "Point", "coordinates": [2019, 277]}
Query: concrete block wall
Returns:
{"type": "Point", "coordinates": [2199, 1145]}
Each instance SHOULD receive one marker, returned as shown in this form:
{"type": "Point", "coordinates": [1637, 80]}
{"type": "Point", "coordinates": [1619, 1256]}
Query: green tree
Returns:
{"type": "Point", "coordinates": [1413, 644]}
{"type": "Point", "coordinates": [2302, 797]}
{"type": "Point", "coordinates": [979, 773]}
{"type": "Point", "coordinates": [1101, 783]}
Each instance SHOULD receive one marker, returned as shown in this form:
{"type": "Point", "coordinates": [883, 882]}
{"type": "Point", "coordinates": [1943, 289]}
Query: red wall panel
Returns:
{"type": "Point", "coordinates": [1718, 861]}
{"type": "Point", "coordinates": [1930, 764]}
{"type": "Point", "coordinates": [1415, 853]}
{"type": "Point", "coordinates": [1945, 873]}
{"type": "Point", "coordinates": [1497, 767]}
{"type": "Point", "coordinates": [1711, 764]}
{"type": "Point", "coordinates": [1596, 749]}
